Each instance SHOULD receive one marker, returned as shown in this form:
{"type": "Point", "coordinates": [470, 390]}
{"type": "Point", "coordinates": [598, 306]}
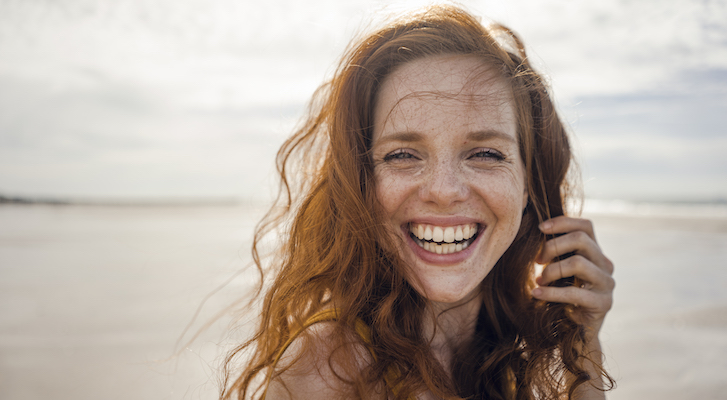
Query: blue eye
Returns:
{"type": "Point", "coordinates": [398, 155]}
{"type": "Point", "coordinates": [488, 154]}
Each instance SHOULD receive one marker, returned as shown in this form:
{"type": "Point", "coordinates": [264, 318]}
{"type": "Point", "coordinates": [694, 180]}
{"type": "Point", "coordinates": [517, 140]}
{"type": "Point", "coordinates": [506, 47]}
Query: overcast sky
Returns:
{"type": "Point", "coordinates": [191, 98]}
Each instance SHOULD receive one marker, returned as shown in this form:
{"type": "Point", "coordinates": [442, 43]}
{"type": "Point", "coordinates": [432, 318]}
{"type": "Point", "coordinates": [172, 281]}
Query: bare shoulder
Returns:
{"type": "Point", "coordinates": [323, 363]}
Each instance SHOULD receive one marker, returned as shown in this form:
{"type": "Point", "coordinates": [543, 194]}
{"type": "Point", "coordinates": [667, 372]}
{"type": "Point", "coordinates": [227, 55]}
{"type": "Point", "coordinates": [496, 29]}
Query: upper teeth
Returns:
{"type": "Point", "coordinates": [443, 240]}
{"type": "Point", "coordinates": [439, 234]}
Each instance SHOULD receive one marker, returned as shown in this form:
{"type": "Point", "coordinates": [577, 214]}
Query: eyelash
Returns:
{"type": "Point", "coordinates": [398, 155]}
{"type": "Point", "coordinates": [488, 153]}
{"type": "Point", "coordinates": [402, 154]}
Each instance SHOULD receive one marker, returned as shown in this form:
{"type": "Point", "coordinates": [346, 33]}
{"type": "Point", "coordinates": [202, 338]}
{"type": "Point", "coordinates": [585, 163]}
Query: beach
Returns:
{"type": "Point", "coordinates": [101, 302]}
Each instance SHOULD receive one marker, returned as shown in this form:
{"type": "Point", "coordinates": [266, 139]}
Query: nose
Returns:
{"type": "Point", "coordinates": [444, 185]}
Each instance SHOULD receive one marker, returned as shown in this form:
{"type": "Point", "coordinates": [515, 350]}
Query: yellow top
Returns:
{"type": "Point", "coordinates": [362, 330]}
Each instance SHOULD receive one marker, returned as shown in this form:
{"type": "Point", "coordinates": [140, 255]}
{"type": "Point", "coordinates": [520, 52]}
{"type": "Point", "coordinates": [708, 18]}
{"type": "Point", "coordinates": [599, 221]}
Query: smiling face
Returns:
{"type": "Point", "coordinates": [448, 172]}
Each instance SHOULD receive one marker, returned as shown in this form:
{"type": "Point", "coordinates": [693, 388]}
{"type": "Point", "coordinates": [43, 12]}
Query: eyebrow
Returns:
{"type": "Point", "coordinates": [490, 134]}
{"type": "Point", "coordinates": [410, 137]}
{"type": "Point", "coordinates": [405, 136]}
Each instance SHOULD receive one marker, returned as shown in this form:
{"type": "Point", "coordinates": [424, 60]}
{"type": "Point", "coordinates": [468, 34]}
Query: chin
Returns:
{"type": "Point", "coordinates": [453, 297]}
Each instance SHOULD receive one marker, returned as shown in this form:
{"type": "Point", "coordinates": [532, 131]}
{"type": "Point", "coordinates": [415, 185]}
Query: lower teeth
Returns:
{"type": "Point", "coordinates": [445, 248]}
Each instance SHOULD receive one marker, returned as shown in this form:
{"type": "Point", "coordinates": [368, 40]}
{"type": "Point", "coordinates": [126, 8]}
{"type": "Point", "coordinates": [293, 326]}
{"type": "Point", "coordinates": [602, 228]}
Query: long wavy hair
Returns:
{"type": "Point", "coordinates": [334, 253]}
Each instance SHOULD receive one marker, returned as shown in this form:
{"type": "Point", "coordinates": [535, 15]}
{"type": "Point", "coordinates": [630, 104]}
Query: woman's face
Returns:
{"type": "Point", "coordinates": [448, 171]}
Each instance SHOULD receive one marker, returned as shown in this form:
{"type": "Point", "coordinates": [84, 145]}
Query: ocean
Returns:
{"type": "Point", "coordinates": [103, 302]}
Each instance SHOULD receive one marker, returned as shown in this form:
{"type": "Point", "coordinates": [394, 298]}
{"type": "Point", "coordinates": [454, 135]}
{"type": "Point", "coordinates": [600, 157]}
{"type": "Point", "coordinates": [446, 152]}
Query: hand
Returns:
{"type": "Point", "coordinates": [594, 297]}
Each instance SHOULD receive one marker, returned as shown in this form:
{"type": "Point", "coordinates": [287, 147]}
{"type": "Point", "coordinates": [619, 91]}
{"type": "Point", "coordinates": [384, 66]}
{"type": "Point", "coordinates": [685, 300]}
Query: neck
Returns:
{"type": "Point", "coordinates": [451, 325]}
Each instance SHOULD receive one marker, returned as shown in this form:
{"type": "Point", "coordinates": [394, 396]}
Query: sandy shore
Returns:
{"type": "Point", "coordinates": [93, 300]}
{"type": "Point", "coordinates": [666, 336]}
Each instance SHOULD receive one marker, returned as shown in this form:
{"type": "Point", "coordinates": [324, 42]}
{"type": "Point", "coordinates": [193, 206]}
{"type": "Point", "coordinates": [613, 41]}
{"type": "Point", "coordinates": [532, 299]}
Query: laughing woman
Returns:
{"type": "Point", "coordinates": [427, 181]}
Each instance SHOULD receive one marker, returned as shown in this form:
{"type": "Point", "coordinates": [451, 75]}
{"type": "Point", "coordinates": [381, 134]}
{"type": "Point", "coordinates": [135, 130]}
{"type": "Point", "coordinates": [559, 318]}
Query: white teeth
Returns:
{"type": "Point", "coordinates": [451, 248]}
{"type": "Point", "coordinates": [449, 235]}
{"type": "Point", "coordinates": [441, 234]}
{"type": "Point", "coordinates": [440, 240]}
{"type": "Point", "coordinates": [437, 234]}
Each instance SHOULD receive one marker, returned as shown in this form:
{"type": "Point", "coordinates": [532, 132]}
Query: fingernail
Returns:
{"type": "Point", "coordinates": [537, 292]}
{"type": "Point", "coordinates": [546, 225]}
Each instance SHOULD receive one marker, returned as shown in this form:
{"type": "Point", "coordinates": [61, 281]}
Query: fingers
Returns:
{"type": "Point", "coordinates": [587, 263]}
{"type": "Point", "coordinates": [577, 242]}
{"type": "Point", "coordinates": [563, 224]}
{"type": "Point", "coordinates": [591, 275]}
{"type": "Point", "coordinates": [595, 302]}
{"type": "Point", "coordinates": [577, 237]}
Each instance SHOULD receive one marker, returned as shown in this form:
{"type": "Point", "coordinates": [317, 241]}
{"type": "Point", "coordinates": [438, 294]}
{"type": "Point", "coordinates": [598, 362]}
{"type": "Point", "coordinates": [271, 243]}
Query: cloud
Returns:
{"type": "Point", "coordinates": [610, 47]}
{"type": "Point", "coordinates": [668, 142]}
{"type": "Point", "coordinates": [193, 98]}
{"type": "Point", "coordinates": [100, 137]}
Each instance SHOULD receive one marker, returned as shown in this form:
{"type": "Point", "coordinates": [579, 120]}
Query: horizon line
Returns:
{"type": "Point", "coordinates": [239, 200]}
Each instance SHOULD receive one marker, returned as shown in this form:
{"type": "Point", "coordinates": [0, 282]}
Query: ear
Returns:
{"type": "Point", "coordinates": [525, 200]}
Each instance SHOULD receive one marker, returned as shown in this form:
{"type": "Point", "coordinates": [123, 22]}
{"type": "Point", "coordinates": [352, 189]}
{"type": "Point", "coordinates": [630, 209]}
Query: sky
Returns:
{"type": "Point", "coordinates": [173, 99]}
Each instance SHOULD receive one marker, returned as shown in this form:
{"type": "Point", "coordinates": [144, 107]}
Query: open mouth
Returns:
{"type": "Point", "coordinates": [441, 239]}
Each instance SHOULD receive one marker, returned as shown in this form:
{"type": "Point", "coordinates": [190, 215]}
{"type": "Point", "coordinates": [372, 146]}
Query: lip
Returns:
{"type": "Point", "coordinates": [443, 259]}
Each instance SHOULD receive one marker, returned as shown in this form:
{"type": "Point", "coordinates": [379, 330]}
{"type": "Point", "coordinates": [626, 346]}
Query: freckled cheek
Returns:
{"type": "Point", "coordinates": [505, 203]}
{"type": "Point", "coordinates": [391, 193]}
{"type": "Point", "coordinates": [504, 199]}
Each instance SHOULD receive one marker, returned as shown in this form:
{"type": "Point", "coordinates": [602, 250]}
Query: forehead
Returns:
{"type": "Point", "coordinates": [454, 87]}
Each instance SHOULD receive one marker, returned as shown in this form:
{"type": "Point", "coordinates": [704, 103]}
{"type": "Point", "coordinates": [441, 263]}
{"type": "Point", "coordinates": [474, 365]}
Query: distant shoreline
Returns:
{"type": "Point", "coordinates": [701, 208]}
{"type": "Point", "coordinates": [130, 202]}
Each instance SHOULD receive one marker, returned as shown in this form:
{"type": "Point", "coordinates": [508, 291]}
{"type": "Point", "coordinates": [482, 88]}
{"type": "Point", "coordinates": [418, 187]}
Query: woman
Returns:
{"type": "Point", "coordinates": [430, 179]}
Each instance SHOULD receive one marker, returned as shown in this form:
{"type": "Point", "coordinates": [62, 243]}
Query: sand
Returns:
{"type": "Point", "coordinates": [666, 336]}
{"type": "Point", "coordinates": [93, 300]}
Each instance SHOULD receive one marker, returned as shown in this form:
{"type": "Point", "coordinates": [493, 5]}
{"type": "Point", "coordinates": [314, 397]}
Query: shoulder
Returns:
{"type": "Point", "coordinates": [324, 362]}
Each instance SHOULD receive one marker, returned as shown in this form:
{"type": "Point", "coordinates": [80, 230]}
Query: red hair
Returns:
{"type": "Point", "coordinates": [334, 252]}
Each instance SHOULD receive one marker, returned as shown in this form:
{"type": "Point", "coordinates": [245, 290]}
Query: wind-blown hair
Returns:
{"type": "Point", "coordinates": [334, 250]}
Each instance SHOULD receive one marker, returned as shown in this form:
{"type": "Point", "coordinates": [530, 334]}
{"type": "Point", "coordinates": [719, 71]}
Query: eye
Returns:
{"type": "Point", "coordinates": [487, 154]}
{"type": "Point", "coordinates": [399, 154]}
